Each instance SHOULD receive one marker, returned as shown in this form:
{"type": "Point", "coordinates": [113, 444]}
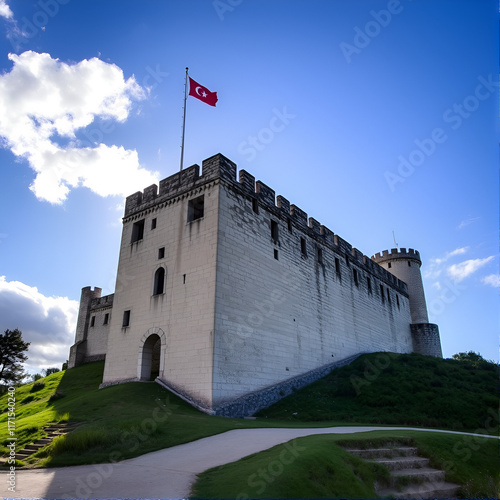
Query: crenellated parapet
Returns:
{"type": "Point", "coordinates": [396, 253]}
{"type": "Point", "coordinates": [220, 168]}
{"type": "Point", "coordinates": [215, 167]}
{"type": "Point", "coordinates": [102, 302]}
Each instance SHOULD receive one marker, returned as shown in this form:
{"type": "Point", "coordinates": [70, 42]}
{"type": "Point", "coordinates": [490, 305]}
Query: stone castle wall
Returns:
{"type": "Point", "coordinates": [293, 296]}
{"type": "Point", "coordinates": [255, 293]}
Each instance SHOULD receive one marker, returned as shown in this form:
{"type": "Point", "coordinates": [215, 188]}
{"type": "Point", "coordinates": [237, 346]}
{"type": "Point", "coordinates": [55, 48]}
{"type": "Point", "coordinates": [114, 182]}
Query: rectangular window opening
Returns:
{"type": "Point", "coordinates": [303, 247]}
{"type": "Point", "coordinates": [274, 231]}
{"type": "Point", "coordinates": [289, 222]}
{"type": "Point", "coordinates": [196, 208]}
{"type": "Point", "coordinates": [276, 254]}
{"type": "Point", "coordinates": [347, 260]}
{"type": "Point", "coordinates": [397, 300]}
{"type": "Point", "coordinates": [126, 318]}
{"type": "Point", "coordinates": [409, 264]}
{"type": "Point", "coordinates": [106, 319]}
{"type": "Point", "coordinates": [183, 279]}
{"type": "Point", "coordinates": [369, 283]}
{"type": "Point", "coordinates": [255, 205]}
{"type": "Point", "coordinates": [382, 292]}
{"type": "Point", "coordinates": [337, 265]}
{"type": "Point", "coordinates": [161, 253]}
{"type": "Point", "coordinates": [138, 231]}
{"type": "Point", "coordinates": [153, 223]}
{"type": "Point", "coordinates": [92, 321]}
{"type": "Point", "coordinates": [389, 265]}
{"type": "Point", "coordinates": [388, 297]}
{"type": "Point", "coordinates": [355, 275]}
{"type": "Point", "coordinates": [320, 255]}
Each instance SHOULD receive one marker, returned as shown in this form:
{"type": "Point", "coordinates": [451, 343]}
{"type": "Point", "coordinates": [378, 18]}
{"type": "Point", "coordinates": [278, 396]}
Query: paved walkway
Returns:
{"type": "Point", "coordinates": [167, 473]}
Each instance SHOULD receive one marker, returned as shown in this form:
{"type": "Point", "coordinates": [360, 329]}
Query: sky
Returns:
{"type": "Point", "coordinates": [379, 118]}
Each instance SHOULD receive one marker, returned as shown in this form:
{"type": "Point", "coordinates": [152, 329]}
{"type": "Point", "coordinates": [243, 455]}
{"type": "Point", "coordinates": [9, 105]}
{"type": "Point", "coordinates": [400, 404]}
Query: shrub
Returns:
{"type": "Point", "coordinates": [37, 386]}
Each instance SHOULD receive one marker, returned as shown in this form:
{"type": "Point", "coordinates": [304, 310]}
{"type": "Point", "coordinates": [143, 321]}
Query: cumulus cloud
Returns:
{"type": "Point", "coordinates": [47, 322]}
{"type": "Point", "coordinates": [491, 280]}
{"type": "Point", "coordinates": [5, 10]}
{"type": "Point", "coordinates": [458, 272]}
{"type": "Point", "coordinates": [45, 102]}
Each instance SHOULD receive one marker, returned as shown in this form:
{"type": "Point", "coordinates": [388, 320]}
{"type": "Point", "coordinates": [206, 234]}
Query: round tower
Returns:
{"type": "Point", "coordinates": [405, 265]}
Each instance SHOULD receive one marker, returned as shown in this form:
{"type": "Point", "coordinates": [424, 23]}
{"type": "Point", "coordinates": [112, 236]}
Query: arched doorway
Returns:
{"type": "Point", "coordinates": [151, 356]}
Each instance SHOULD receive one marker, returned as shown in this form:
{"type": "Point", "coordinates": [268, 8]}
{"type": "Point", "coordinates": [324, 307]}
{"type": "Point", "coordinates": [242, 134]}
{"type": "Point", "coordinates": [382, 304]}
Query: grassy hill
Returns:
{"type": "Point", "coordinates": [127, 420]}
{"type": "Point", "coordinates": [117, 422]}
{"type": "Point", "coordinates": [400, 389]}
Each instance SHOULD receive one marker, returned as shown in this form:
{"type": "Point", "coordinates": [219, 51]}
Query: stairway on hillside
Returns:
{"type": "Point", "coordinates": [53, 431]}
{"type": "Point", "coordinates": [411, 476]}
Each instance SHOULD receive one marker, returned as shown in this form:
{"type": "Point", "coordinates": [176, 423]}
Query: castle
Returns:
{"type": "Point", "coordinates": [231, 297]}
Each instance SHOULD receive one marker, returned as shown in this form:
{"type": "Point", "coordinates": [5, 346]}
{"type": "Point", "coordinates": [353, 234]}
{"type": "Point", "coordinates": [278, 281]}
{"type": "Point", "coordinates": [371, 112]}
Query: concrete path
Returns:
{"type": "Point", "coordinates": [167, 473]}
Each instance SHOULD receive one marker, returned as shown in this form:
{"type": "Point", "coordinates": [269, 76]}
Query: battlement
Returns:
{"type": "Point", "coordinates": [218, 167]}
{"type": "Point", "coordinates": [396, 253]}
{"type": "Point", "coordinates": [101, 302]}
{"type": "Point", "coordinates": [215, 167]}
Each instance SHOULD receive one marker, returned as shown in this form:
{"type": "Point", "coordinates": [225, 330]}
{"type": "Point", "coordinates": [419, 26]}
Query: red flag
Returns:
{"type": "Point", "coordinates": [202, 93]}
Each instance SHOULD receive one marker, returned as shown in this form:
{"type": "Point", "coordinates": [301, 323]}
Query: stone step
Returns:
{"type": "Point", "coordinates": [401, 463]}
{"type": "Point", "coordinates": [34, 446]}
{"type": "Point", "coordinates": [25, 453]}
{"type": "Point", "coordinates": [44, 441]}
{"type": "Point", "coordinates": [424, 474]}
{"type": "Point", "coordinates": [401, 451]}
{"type": "Point", "coordinates": [427, 490]}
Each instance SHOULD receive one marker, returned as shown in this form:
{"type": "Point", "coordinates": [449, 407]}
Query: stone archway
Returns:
{"type": "Point", "coordinates": [150, 355]}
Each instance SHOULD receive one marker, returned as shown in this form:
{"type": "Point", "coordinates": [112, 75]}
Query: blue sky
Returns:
{"type": "Point", "coordinates": [373, 116]}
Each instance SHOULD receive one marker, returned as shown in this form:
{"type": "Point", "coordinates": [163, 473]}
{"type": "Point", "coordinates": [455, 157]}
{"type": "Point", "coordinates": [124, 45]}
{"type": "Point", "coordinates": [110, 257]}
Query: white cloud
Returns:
{"type": "Point", "coordinates": [435, 266]}
{"type": "Point", "coordinates": [466, 222]}
{"type": "Point", "coordinates": [458, 272]}
{"type": "Point", "coordinates": [5, 10]}
{"type": "Point", "coordinates": [491, 280]}
{"type": "Point", "coordinates": [45, 102]}
{"type": "Point", "coordinates": [47, 322]}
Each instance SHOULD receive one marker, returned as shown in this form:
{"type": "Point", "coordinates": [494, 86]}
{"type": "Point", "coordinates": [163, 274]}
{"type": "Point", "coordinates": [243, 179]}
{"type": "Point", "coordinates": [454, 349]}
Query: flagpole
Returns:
{"type": "Point", "coordinates": [184, 118]}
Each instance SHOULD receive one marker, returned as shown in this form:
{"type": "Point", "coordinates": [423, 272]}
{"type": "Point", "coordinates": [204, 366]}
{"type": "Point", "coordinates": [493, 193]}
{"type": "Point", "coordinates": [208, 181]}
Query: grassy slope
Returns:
{"type": "Point", "coordinates": [319, 468]}
{"type": "Point", "coordinates": [407, 389]}
{"type": "Point", "coordinates": [118, 422]}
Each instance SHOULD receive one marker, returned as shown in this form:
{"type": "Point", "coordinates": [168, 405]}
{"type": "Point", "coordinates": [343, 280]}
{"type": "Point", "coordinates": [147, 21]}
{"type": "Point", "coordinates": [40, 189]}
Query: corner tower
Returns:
{"type": "Point", "coordinates": [405, 265]}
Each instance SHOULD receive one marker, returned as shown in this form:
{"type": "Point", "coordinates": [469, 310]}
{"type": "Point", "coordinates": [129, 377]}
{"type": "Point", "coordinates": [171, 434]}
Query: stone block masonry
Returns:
{"type": "Point", "coordinates": [235, 295]}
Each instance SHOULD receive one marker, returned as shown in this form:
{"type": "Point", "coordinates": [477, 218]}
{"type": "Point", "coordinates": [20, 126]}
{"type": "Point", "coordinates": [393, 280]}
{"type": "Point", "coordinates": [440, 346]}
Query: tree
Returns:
{"type": "Point", "coordinates": [50, 371]}
{"type": "Point", "coordinates": [473, 358]}
{"type": "Point", "coordinates": [12, 349]}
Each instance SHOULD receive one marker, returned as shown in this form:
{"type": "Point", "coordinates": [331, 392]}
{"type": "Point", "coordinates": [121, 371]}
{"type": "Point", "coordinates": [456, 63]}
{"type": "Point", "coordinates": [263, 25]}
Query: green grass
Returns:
{"type": "Point", "coordinates": [117, 422]}
{"type": "Point", "coordinates": [319, 467]}
{"type": "Point", "coordinates": [399, 389]}
{"type": "Point", "coordinates": [127, 420]}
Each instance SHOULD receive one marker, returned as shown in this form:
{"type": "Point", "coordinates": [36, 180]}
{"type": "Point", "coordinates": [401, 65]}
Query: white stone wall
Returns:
{"type": "Point", "coordinates": [406, 266]}
{"type": "Point", "coordinates": [97, 335]}
{"type": "Point", "coordinates": [276, 319]}
{"type": "Point", "coordinates": [185, 312]}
